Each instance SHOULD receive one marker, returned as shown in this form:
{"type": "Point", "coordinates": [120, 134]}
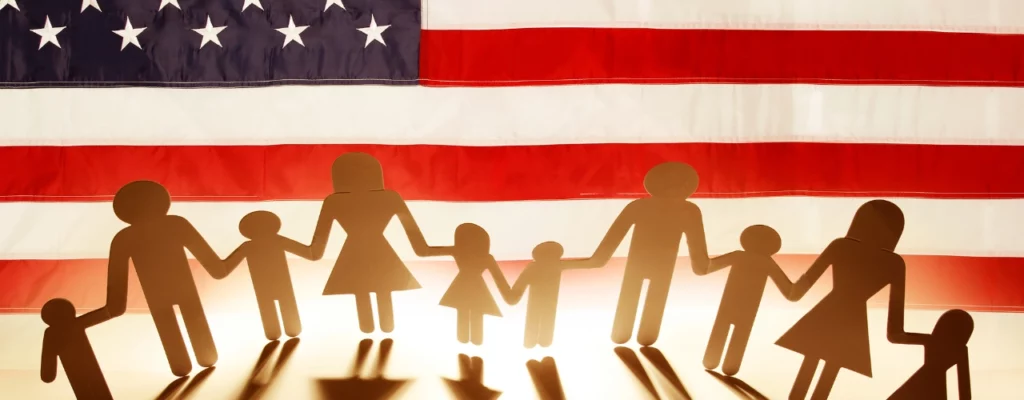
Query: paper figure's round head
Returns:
{"type": "Point", "coordinates": [141, 200]}
{"type": "Point", "coordinates": [57, 312]}
{"type": "Point", "coordinates": [357, 172]}
{"type": "Point", "coordinates": [878, 223]}
{"type": "Point", "coordinates": [473, 238]}
{"type": "Point", "coordinates": [761, 239]}
{"type": "Point", "coordinates": [954, 328]}
{"type": "Point", "coordinates": [259, 223]}
{"type": "Point", "coordinates": [671, 179]}
{"type": "Point", "coordinates": [548, 251]}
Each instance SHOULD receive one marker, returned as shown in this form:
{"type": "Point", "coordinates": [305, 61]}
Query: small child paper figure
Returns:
{"type": "Point", "coordinates": [468, 293]}
{"type": "Point", "coordinates": [751, 269]}
{"type": "Point", "coordinates": [265, 254]}
{"type": "Point", "coordinates": [544, 277]}
{"type": "Point", "coordinates": [65, 339]}
{"type": "Point", "coordinates": [945, 348]}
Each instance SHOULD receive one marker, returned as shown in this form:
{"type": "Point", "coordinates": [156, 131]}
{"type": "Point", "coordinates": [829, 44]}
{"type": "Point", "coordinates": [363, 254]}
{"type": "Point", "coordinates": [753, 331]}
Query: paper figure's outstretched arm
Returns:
{"type": "Point", "coordinates": [435, 251]}
{"type": "Point", "coordinates": [817, 269]}
{"type": "Point", "coordinates": [696, 242]}
{"type": "Point", "coordinates": [117, 285]}
{"type": "Point", "coordinates": [963, 372]}
{"type": "Point", "coordinates": [778, 276]}
{"type": "Point", "coordinates": [579, 263]}
{"type": "Point", "coordinates": [197, 245]}
{"type": "Point", "coordinates": [614, 237]}
{"type": "Point", "coordinates": [515, 294]}
{"type": "Point", "coordinates": [721, 262]}
{"type": "Point", "coordinates": [235, 259]}
{"type": "Point", "coordinates": [48, 365]}
{"type": "Point", "coordinates": [897, 294]}
{"type": "Point", "coordinates": [296, 248]}
{"type": "Point", "coordinates": [499, 279]}
{"type": "Point", "coordinates": [412, 230]}
{"type": "Point", "coordinates": [324, 223]}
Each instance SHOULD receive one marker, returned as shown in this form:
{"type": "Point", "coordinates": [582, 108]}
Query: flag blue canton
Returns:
{"type": "Point", "coordinates": [208, 43]}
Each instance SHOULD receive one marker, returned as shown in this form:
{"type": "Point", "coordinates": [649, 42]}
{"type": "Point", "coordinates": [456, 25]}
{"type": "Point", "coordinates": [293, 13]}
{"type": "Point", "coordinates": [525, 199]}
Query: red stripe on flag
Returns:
{"type": "Point", "coordinates": [976, 284]}
{"type": "Point", "coordinates": [448, 173]}
{"type": "Point", "coordinates": [603, 55]}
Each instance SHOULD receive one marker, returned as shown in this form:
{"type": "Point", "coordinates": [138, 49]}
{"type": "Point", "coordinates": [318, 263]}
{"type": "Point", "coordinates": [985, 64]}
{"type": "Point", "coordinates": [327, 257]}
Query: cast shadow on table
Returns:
{"type": "Point", "coordinates": [738, 387]}
{"type": "Point", "coordinates": [654, 356]}
{"type": "Point", "coordinates": [259, 379]}
{"type": "Point", "coordinates": [545, 378]}
{"type": "Point", "coordinates": [470, 385]}
{"type": "Point", "coordinates": [376, 387]}
{"type": "Point", "coordinates": [186, 391]}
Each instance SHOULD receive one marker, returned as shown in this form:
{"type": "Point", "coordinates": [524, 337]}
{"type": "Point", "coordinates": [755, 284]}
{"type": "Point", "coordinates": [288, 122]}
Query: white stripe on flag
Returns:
{"type": "Point", "coordinates": [513, 115]}
{"type": "Point", "coordinates": [806, 224]}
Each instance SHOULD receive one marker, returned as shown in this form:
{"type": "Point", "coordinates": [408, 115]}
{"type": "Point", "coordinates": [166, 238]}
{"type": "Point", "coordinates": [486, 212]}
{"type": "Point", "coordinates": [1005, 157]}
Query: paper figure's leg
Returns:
{"type": "Point", "coordinates": [625, 312]}
{"type": "Point", "coordinates": [463, 326]}
{"type": "Point", "coordinates": [170, 336]}
{"type": "Point", "coordinates": [737, 346]}
{"type": "Point", "coordinates": [716, 343]}
{"type": "Point", "coordinates": [365, 312]}
{"type": "Point", "coordinates": [654, 310]}
{"type": "Point", "coordinates": [476, 328]}
{"type": "Point", "coordinates": [825, 382]}
{"type": "Point", "coordinates": [199, 333]}
{"type": "Point", "coordinates": [290, 315]}
{"type": "Point", "coordinates": [546, 330]}
{"type": "Point", "coordinates": [268, 314]}
{"type": "Point", "coordinates": [803, 379]}
{"type": "Point", "coordinates": [386, 311]}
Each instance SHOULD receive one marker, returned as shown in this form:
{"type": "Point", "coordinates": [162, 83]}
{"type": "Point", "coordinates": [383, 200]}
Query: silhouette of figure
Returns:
{"type": "Point", "coordinates": [268, 267]}
{"type": "Point", "coordinates": [367, 263]}
{"type": "Point", "coordinates": [65, 338]}
{"type": "Point", "coordinates": [470, 385]}
{"type": "Point", "coordinates": [155, 242]}
{"type": "Point", "coordinates": [658, 223]}
{"type": "Point", "coordinates": [543, 276]}
{"type": "Point", "coordinates": [945, 348]}
{"type": "Point", "coordinates": [751, 269]}
{"type": "Point", "coordinates": [545, 378]}
{"type": "Point", "coordinates": [375, 387]}
{"type": "Point", "coordinates": [836, 329]}
{"type": "Point", "coordinates": [468, 293]}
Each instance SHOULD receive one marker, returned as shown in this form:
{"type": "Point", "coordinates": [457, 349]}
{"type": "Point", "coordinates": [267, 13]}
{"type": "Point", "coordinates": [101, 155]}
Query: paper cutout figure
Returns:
{"type": "Point", "coordinates": [155, 242]}
{"type": "Point", "coordinates": [836, 330]}
{"type": "Point", "coordinates": [367, 263]}
{"type": "Point", "coordinates": [545, 378]}
{"type": "Point", "coordinates": [355, 388]}
{"type": "Point", "coordinates": [468, 293]}
{"type": "Point", "coordinates": [659, 223]}
{"type": "Point", "coordinates": [543, 277]}
{"type": "Point", "coordinates": [470, 385]}
{"type": "Point", "coordinates": [945, 348]}
{"type": "Point", "coordinates": [259, 380]}
{"type": "Point", "coordinates": [65, 339]}
{"type": "Point", "coordinates": [738, 387]}
{"type": "Point", "coordinates": [751, 269]}
{"type": "Point", "coordinates": [264, 252]}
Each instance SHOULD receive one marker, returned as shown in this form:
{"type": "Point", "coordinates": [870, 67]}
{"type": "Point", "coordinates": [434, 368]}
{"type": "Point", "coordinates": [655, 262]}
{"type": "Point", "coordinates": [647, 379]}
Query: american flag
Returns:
{"type": "Point", "coordinates": [535, 119]}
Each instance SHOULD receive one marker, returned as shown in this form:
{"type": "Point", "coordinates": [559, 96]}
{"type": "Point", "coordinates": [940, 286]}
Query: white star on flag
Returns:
{"type": "Point", "coordinates": [292, 32]}
{"type": "Point", "coordinates": [164, 3]}
{"type": "Point", "coordinates": [373, 32]}
{"type": "Point", "coordinates": [129, 34]}
{"type": "Point", "coordinates": [48, 34]}
{"type": "Point", "coordinates": [210, 33]}
{"type": "Point", "coordinates": [248, 3]}
{"type": "Point", "coordinates": [5, 3]}
{"type": "Point", "coordinates": [91, 3]}
{"type": "Point", "coordinates": [328, 5]}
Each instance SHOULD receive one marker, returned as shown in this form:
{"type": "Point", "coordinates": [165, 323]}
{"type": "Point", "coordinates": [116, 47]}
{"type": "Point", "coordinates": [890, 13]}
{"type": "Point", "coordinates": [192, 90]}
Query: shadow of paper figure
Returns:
{"type": "Point", "coordinates": [632, 362]}
{"type": "Point", "coordinates": [738, 386]}
{"type": "Point", "coordinates": [944, 348]}
{"type": "Point", "coordinates": [468, 293]}
{"type": "Point", "coordinates": [835, 330]}
{"type": "Point", "coordinates": [187, 391]}
{"type": "Point", "coordinates": [749, 273]}
{"type": "Point", "coordinates": [376, 387]}
{"type": "Point", "coordinates": [264, 253]}
{"type": "Point", "coordinates": [543, 276]}
{"type": "Point", "coordinates": [155, 243]}
{"type": "Point", "coordinates": [545, 378]}
{"type": "Point", "coordinates": [665, 368]}
{"type": "Point", "coordinates": [65, 340]}
{"type": "Point", "coordinates": [260, 379]}
{"type": "Point", "coordinates": [659, 222]}
{"type": "Point", "coordinates": [470, 385]}
{"type": "Point", "coordinates": [367, 263]}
